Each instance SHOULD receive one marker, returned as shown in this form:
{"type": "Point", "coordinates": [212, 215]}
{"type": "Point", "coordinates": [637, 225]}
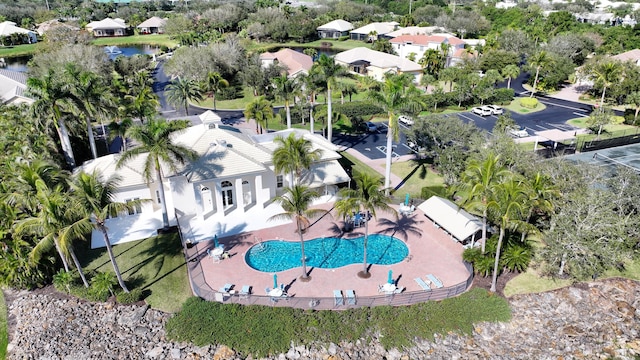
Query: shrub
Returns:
{"type": "Point", "coordinates": [63, 281]}
{"type": "Point", "coordinates": [228, 93]}
{"type": "Point", "coordinates": [131, 297]}
{"type": "Point", "coordinates": [352, 109]}
{"type": "Point", "coordinates": [343, 38]}
{"type": "Point", "coordinates": [529, 103]}
{"type": "Point", "coordinates": [102, 284]}
{"type": "Point", "coordinates": [503, 95]}
{"type": "Point", "coordinates": [629, 116]}
{"type": "Point", "coordinates": [429, 191]}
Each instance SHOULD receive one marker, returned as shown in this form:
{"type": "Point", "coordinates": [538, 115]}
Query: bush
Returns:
{"type": "Point", "coordinates": [131, 297]}
{"type": "Point", "coordinates": [228, 93]}
{"type": "Point", "coordinates": [529, 103]}
{"type": "Point", "coordinates": [503, 95]}
{"type": "Point", "coordinates": [352, 109]}
{"type": "Point", "coordinates": [629, 117]}
{"type": "Point", "coordinates": [429, 191]}
{"type": "Point", "coordinates": [343, 38]}
{"type": "Point", "coordinates": [63, 281]}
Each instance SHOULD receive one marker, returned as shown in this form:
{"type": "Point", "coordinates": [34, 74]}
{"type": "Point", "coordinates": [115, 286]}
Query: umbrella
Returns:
{"type": "Point", "coordinates": [406, 200]}
{"type": "Point", "coordinates": [275, 281]}
{"type": "Point", "coordinates": [215, 241]}
{"type": "Point", "coordinates": [390, 279]}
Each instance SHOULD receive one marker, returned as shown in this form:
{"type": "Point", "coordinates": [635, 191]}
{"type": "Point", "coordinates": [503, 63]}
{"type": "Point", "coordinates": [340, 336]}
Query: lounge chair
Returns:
{"type": "Point", "coordinates": [337, 297]}
{"type": "Point", "coordinates": [226, 288]}
{"type": "Point", "coordinates": [351, 297]}
{"type": "Point", "coordinates": [245, 291]}
{"type": "Point", "coordinates": [422, 284]}
{"type": "Point", "coordinates": [399, 290]}
{"type": "Point", "coordinates": [267, 290]}
{"type": "Point", "coordinates": [435, 281]}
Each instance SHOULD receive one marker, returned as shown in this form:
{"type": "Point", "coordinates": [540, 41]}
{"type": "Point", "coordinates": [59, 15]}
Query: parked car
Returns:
{"type": "Point", "coordinates": [482, 111]}
{"type": "Point", "coordinates": [371, 127]}
{"type": "Point", "coordinates": [403, 119]}
{"type": "Point", "coordinates": [518, 132]}
{"type": "Point", "coordinates": [495, 109]}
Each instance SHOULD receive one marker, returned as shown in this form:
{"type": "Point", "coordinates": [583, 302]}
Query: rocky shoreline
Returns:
{"type": "Point", "coordinates": [597, 320]}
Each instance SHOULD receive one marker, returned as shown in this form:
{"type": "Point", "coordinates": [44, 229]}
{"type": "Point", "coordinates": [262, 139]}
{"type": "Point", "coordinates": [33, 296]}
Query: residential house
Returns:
{"type": "Point", "coordinates": [107, 27]}
{"type": "Point", "coordinates": [631, 55]}
{"type": "Point", "coordinates": [13, 85]}
{"type": "Point", "coordinates": [414, 30]}
{"type": "Point", "coordinates": [9, 28]}
{"type": "Point", "coordinates": [364, 61]}
{"type": "Point", "coordinates": [334, 29]}
{"type": "Point", "coordinates": [48, 25]}
{"type": "Point", "coordinates": [295, 62]}
{"type": "Point", "coordinates": [229, 189]}
{"type": "Point", "coordinates": [153, 25]}
{"type": "Point", "coordinates": [372, 31]}
{"type": "Point", "coordinates": [417, 45]}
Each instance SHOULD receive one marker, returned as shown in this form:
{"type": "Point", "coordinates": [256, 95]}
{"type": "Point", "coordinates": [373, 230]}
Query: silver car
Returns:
{"type": "Point", "coordinates": [495, 109]}
{"type": "Point", "coordinates": [482, 111]}
{"type": "Point", "coordinates": [403, 119]}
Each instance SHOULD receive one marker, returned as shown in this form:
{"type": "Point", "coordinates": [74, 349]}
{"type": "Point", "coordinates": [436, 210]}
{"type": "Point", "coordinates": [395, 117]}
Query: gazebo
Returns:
{"type": "Point", "coordinates": [459, 224]}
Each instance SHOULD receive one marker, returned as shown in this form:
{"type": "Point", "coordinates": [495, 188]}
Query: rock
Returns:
{"type": "Point", "coordinates": [333, 349]}
{"type": "Point", "coordinates": [175, 353]}
{"type": "Point", "coordinates": [155, 352]}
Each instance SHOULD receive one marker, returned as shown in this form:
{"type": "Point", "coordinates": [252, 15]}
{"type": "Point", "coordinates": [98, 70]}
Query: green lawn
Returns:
{"type": "Point", "coordinates": [262, 330]}
{"type": "Point", "coordinates": [515, 107]}
{"type": "Point", "coordinates": [609, 131]}
{"type": "Point", "coordinates": [348, 161]}
{"type": "Point", "coordinates": [156, 265]}
{"type": "Point", "coordinates": [417, 174]}
{"type": "Point", "coordinates": [530, 282]}
{"type": "Point", "coordinates": [20, 50]}
{"type": "Point", "coordinates": [152, 39]}
{"type": "Point", "coordinates": [4, 331]}
{"type": "Point", "coordinates": [318, 44]}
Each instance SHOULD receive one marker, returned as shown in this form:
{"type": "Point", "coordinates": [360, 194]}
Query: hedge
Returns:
{"type": "Point", "coordinates": [529, 103]}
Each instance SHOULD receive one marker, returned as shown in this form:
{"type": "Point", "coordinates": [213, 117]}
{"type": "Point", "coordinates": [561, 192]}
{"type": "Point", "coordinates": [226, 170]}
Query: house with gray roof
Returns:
{"type": "Point", "coordinates": [107, 27]}
{"type": "Point", "coordinates": [13, 85]}
{"type": "Point", "coordinates": [371, 32]}
{"type": "Point", "coordinates": [334, 29]}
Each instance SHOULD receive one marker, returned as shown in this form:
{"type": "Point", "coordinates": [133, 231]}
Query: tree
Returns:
{"type": "Point", "coordinates": [599, 119]}
{"type": "Point", "coordinates": [95, 198]}
{"type": "Point", "coordinates": [294, 155]}
{"type": "Point", "coordinates": [295, 202]}
{"type": "Point", "coordinates": [214, 83]}
{"type": "Point", "coordinates": [510, 72]}
{"type": "Point", "coordinates": [432, 61]}
{"type": "Point", "coordinates": [504, 123]}
{"type": "Point", "coordinates": [327, 68]}
{"type": "Point", "coordinates": [541, 197]}
{"type": "Point", "coordinates": [155, 141]}
{"type": "Point", "coordinates": [538, 61]}
{"type": "Point", "coordinates": [508, 206]}
{"type": "Point", "coordinates": [604, 74]}
{"type": "Point", "coordinates": [449, 75]}
{"type": "Point", "coordinates": [119, 129]}
{"type": "Point", "coordinates": [286, 89]}
{"type": "Point", "coordinates": [397, 94]}
{"type": "Point", "coordinates": [260, 110]}
{"type": "Point", "coordinates": [142, 102]}
{"type": "Point", "coordinates": [634, 99]}
{"type": "Point", "coordinates": [181, 91]}
{"type": "Point", "coordinates": [478, 184]}
{"type": "Point", "coordinates": [367, 198]}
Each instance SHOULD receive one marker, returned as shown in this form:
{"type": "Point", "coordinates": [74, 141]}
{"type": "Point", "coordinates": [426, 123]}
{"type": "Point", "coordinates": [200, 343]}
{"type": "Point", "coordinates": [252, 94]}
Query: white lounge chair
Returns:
{"type": "Point", "coordinates": [435, 281]}
{"type": "Point", "coordinates": [422, 284]}
{"type": "Point", "coordinates": [337, 297]}
{"type": "Point", "coordinates": [351, 297]}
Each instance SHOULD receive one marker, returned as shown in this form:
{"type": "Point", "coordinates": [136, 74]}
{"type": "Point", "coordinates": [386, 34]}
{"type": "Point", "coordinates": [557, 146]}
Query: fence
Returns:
{"type": "Point", "coordinates": [593, 145]}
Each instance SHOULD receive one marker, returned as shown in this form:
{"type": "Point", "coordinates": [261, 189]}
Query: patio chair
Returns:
{"type": "Point", "coordinates": [226, 288]}
{"type": "Point", "coordinates": [435, 281]}
{"type": "Point", "coordinates": [245, 291]}
{"type": "Point", "coordinates": [351, 297]}
{"type": "Point", "coordinates": [422, 284]}
{"type": "Point", "coordinates": [337, 297]}
{"type": "Point", "coordinates": [399, 290]}
{"type": "Point", "coordinates": [267, 290]}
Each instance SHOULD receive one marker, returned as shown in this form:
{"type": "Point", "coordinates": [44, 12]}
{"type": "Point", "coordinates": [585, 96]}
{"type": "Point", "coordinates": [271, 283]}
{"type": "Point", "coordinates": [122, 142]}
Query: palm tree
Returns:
{"type": "Point", "coordinates": [286, 89]}
{"type": "Point", "coordinates": [432, 61]}
{"type": "Point", "coordinates": [52, 100]}
{"type": "Point", "coordinates": [539, 60]}
{"type": "Point", "coordinates": [181, 90]}
{"type": "Point", "coordinates": [541, 196]}
{"type": "Point", "coordinates": [327, 68]}
{"type": "Point", "coordinates": [510, 72]}
{"type": "Point", "coordinates": [295, 202]}
{"type": "Point", "coordinates": [214, 83]}
{"type": "Point", "coordinates": [634, 99]}
{"type": "Point", "coordinates": [141, 103]}
{"type": "Point", "coordinates": [25, 175]}
{"type": "Point", "coordinates": [346, 88]}
{"type": "Point", "coordinates": [294, 155]}
{"type": "Point", "coordinates": [366, 198]}
{"type": "Point", "coordinates": [396, 95]}
{"type": "Point", "coordinates": [449, 75]}
{"type": "Point", "coordinates": [478, 183]}
{"type": "Point", "coordinates": [260, 110]}
{"type": "Point", "coordinates": [311, 85]}
{"type": "Point", "coordinates": [606, 74]}
{"type": "Point", "coordinates": [508, 206]}
{"type": "Point", "coordinates": [155, 141]}
{"type": "Point", "coordinates": [119, 129]}
{"type": "Point", "coordinates": [96, 199]}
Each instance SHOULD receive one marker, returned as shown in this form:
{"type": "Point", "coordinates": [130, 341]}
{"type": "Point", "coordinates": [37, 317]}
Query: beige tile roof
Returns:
{"type": "Point", "coordinates": [631, 55]}
{"type": "Point", "coordinates": [293, 60]}
{"type": "Point", "coordinates": [153, 22]}
{"type": "Point", "coordinates": [339, 25]}
{"type": "Point", "coordinates": [377, 59]}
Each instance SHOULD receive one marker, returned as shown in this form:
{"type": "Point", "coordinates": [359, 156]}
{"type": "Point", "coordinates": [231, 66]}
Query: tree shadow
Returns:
{"type": "Point", "coordinates": [401, 227]}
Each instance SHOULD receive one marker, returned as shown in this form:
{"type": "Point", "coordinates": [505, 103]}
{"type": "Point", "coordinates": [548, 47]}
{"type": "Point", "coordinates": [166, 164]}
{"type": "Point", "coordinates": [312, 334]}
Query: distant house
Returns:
{"type": "Point", "coordinates": [295, 62]}
{"type": "Point", "coordinates": [8, 28]}
{"type": "Point", "coordinates": [418, 44]}
{"type": "Point", "coordinates": [631, 55]}
{"type": "Point", "coordinates": [48, 25]}
{"type": "Point", "coordinates": [367, 62]}
{"type": "Point", "coordinates": [13, 85]}
{"type": "Point", "coordinates": [153, 25]}
{"type": "Point", "coordinates": [107, 27]}
{"type": "Point", "coordinates": [372, 31]}
{"type": "Point", "coordinates": [414, 30]}
{"type": "Point", "coordinates": [334, 29]}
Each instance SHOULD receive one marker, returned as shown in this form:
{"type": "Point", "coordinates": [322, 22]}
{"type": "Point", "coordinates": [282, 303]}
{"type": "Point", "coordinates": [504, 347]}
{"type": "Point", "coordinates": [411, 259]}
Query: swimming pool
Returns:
{"type": "Point", "coordinates": [326, 253]}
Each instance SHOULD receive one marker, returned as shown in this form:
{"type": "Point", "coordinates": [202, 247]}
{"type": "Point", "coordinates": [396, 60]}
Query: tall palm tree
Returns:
{"type": "Point", "coordinates": [449, 75]}
{"type": "Point", "coordinates": [396, 95]}
{"type": "Point", "coordinates": [286, 89]}
{"type": "Point", "coordinates": [96, 200]}
{"type": "Point", "coordinates": [181, 91]}
{"type": "Point", "coordinates": [478, 183]}
{"type": "Point", "coordinates": [141, 102]}
{"type": "Point", "coordinates": [294, 155]}
{"type": "Point", "coordinates": [260, 110]}
{"type": "Point", "coordinates": [539, 60]}
{"type": "Point", "coordinates": [605, 74]}
{"type": "Point", "coordinates": [311, 85]}
{"type": "Point", "coordinates": [119, 129]}
{"type": "Point", "coordinates": [541, 195]}
{"type": "Point", "coordinates": [327, 68]}
{"type": "Point", "coordinates": [25, 176]}
{"type": "Point", "coordinates": [53, 98]}
{"type": "Point", "coordinates": [432, 61]}
{"type": "Point", "coordinates": [214, 83]}
{"type": "Point", "coordinates": [155, 141]}
{"type": "Point", "coordinates": [508, 205]}
{"type": "Point", "coordinates": [510, 72]}
{"type": "Point", "coordinates": [295, 202]}
{"type": "Point", "coordinates": [367, 197]}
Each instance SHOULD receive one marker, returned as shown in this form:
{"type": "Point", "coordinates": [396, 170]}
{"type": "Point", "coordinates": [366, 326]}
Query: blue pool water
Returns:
{"type": "Point", "coordinates": [326, 253]}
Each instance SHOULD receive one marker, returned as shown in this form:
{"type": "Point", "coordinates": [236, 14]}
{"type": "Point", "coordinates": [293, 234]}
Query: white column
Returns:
{"type": "Point", "coordinates": [218, 196]}
{"type": "Point", "coordinates": [238, 196]}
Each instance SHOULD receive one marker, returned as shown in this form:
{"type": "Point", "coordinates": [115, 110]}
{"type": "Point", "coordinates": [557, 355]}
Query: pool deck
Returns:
{"type": "Point", "coordinates": [431, 251]}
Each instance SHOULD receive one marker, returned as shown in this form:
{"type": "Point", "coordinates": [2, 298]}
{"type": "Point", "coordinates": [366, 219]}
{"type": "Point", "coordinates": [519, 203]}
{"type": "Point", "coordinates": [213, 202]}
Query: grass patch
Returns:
{"type": "Point", "coordinates": [4, 331]}
{"type": "Point", "coordinates": [20, 50]}
{"type": "Point", "coordinates": [531, 282]}
{"type": "Point", "coordinates": [155, 265]}
{"type": "Point", "coordinates": [264, 331]}
{"type": "Point", "coordinates": [515, 106]}
{"type": "Point", "coordinates": [616, 129]}
{"type": "Point", "coordinates": [350, 163]}
{"type": "Point", "coordinates": [152, 39]}
{"type": "Point", "coordinates": [528, 146]}
{"type": "Point", "coordinates": [417, 175]}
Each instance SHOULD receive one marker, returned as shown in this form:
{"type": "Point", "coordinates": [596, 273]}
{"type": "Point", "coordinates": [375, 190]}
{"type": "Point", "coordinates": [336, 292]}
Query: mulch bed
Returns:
{"type": "Point", "coordinates": [485, 282]}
